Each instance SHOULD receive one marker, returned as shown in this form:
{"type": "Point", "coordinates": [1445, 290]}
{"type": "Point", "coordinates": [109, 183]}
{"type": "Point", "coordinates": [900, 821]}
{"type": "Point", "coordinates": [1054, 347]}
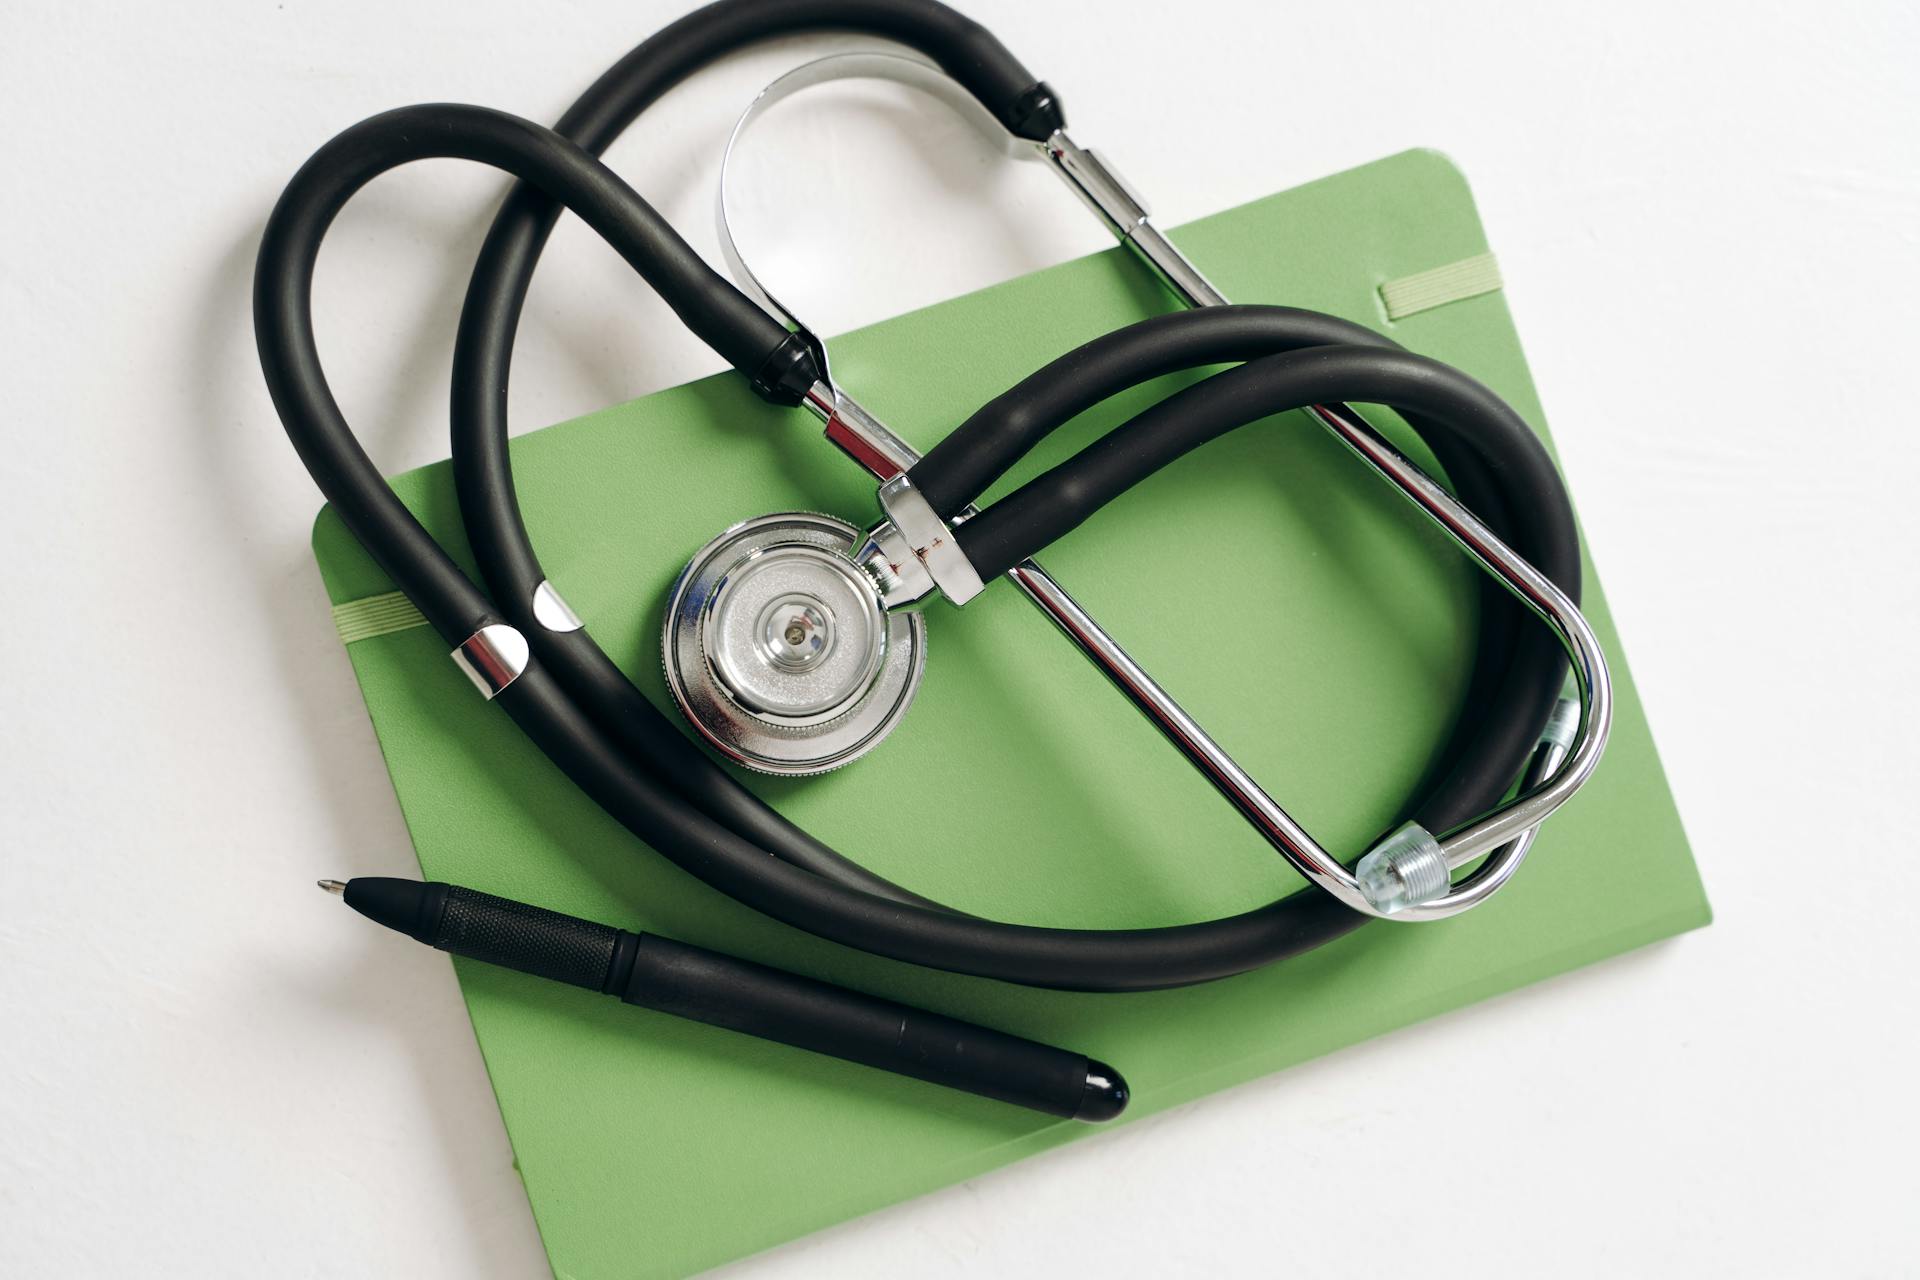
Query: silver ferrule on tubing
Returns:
{"type": "Point", "coordinates": [1501, 837]}
{"type": "Point", "coordinates": [492, 658]}
{"type": "Point", "coordinates": [552, 611]}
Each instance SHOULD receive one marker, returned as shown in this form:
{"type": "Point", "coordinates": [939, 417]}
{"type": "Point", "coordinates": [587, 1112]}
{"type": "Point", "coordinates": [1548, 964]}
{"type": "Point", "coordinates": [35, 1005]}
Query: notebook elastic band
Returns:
{"type": "Point", "coordinates": [375, 616]}
{"type": "Point", "coordinates": [1455, 282]}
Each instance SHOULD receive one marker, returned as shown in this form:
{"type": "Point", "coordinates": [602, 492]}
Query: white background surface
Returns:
{"type": "Point", "coordinates": [1707, 217]}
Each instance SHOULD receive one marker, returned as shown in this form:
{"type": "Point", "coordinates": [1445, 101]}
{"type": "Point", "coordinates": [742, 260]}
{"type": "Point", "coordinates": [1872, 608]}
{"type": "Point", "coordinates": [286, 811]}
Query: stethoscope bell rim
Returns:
{"type": "Point", "coordinates": [778, 651]}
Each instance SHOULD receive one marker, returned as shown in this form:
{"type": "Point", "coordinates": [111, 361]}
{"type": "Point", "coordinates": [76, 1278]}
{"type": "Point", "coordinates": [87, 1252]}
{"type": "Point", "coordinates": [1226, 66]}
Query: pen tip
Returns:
{"type": "Point", "coordinates": [334, 887]}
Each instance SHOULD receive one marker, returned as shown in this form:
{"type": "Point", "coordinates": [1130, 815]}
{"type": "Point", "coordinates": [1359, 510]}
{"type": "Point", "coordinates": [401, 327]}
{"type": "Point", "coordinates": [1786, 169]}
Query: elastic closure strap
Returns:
{"type": "Point", "coordinates": [1455, 282]}
{"type": "Point", "coordinates": [372, 616]}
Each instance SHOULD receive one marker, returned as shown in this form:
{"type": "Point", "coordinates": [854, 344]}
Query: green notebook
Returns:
{"type": "Point", "coordinates": [1326, 653]}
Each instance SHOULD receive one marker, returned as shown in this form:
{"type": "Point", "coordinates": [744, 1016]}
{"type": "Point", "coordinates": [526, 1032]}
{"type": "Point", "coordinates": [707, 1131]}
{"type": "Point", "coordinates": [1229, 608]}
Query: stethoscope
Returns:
{"type": "Point", "coordinates": [794, 643]}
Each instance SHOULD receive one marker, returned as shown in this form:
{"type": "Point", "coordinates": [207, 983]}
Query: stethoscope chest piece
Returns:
{"type": "Point", "coordinates": [778, 650]}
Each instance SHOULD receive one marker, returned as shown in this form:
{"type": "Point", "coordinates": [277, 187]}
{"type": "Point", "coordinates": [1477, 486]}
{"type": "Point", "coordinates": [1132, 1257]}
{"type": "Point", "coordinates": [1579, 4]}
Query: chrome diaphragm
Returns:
{"type": "Point", "coordinates": [779, 652]}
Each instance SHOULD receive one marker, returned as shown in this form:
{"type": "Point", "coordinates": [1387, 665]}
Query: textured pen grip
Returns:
{"type": "Point", "coordinates": [531, 939]}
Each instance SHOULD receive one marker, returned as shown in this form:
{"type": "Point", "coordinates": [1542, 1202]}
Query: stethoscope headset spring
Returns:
{"type": "Point", "coordinates": [528, 652]}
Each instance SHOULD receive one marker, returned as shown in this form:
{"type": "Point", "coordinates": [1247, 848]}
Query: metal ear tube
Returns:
{"type": "Point", "coordinates": [1407, 876]}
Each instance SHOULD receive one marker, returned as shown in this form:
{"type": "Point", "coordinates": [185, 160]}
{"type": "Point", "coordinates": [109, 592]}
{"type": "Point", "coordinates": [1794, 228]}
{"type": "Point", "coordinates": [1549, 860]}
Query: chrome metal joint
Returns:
{"type": "Point", "coordinates": [1096, 182]}
{"type": "Point", "coordinates": [928, 539]}
{"type": "Point", "coordinates": [552, 612]}
{"type": "Point", "coordinates": [857, 433]}
{"type": "Point", "coordinates": [1115, 202]}
{"type": "Point", "coordinates": [493, 658]}
{"type": "Point", "coordinates": [884, 556]}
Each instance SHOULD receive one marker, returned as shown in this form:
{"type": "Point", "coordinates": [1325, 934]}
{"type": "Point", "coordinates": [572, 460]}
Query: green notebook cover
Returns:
{"type": "Point", "coordinates": [1293, 602]}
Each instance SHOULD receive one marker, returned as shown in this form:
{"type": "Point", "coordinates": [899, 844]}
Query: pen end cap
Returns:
{"type": "Point", "coordinates": [1106, 1094]}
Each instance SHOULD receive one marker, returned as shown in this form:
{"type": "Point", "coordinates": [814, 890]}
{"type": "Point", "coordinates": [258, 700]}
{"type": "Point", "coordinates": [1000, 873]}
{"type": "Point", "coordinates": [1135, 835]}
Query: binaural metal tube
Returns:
{"type": "Point", "coordinates": [1505, 834]}
{"type": "Point", "coordinates": [1115, 202]}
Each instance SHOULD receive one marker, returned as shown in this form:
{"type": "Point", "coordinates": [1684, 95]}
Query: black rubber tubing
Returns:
{"type": "Point", "coordinates": [1056, 502]}
{"type": "Point", "coordinates": [1112, 960]}
{"type": "Point", "coordinates": [504, 550]}
{"type": "Point", "coordinates": [283, 324]}
{"type": "Point", "coordinates": [961, 467]}
{"type": "Point", "coordinates": [1519, 668]}
{"type": "Point", "coordinates": [283, 281]}
{"type": "Point", "coordinates": [1093, 960]}
{"type": "Point", "coordinates": [1088, 960]}
{"type": "Point", "coordinates": [1109, 960]}
{"type": "Point", "coordinates": [1541, 529]}
{"type": "Point", "coordinates": [483, 355]}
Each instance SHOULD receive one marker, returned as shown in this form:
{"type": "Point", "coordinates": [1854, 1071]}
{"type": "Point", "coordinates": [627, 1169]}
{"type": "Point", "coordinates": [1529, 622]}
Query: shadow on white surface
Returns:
{"type": "Point", "coordinates": [394, 997]}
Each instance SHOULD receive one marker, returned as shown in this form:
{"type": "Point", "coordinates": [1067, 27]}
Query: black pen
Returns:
{"type": "Point", "coordinates": [690, 982]}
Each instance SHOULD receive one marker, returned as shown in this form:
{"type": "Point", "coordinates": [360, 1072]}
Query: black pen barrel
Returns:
{"type": "Point", "coordinates": [723, 991]}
